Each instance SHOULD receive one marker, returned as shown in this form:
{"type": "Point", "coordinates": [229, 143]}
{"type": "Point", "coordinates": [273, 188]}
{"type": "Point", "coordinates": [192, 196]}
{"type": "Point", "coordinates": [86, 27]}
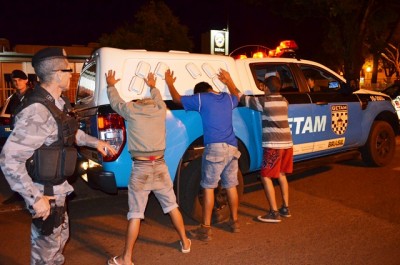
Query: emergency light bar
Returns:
{"type": "Point", "coordinates": [286, 49]}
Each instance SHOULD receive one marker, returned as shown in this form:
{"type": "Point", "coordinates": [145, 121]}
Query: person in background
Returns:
{"type": "Point", "coordinates": [39, 155]}
{"type": "Point", "coordinates": [221, 154]}
{"type": "Point", "coordinates": [261, 85]}
{"type": "Point", "coordinates": [311, 84]}
{"type": "Point", "coordinates": [146, 143]}
{"type": "Point", "coordinates": [21, 84]}
{"type": "Point", "coordinates": [354, 85]}
{"type": "Point", "coordinates": [276, 142]}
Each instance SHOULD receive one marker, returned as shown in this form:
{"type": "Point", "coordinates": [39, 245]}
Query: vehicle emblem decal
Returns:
{"type": "Point", "coordinates": [339, 119]}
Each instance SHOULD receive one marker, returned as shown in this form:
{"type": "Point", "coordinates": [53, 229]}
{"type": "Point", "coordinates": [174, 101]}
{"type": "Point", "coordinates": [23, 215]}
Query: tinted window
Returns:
{"type": "Point", "coordinates": [264, 70]}
{"type": "Point", "coordinates": [320, 80]}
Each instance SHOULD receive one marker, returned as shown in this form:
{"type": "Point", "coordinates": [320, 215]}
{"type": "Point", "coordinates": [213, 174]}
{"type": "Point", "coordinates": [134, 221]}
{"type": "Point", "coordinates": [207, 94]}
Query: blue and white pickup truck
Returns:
{"type": "Point", "coordinates": [326, 125]}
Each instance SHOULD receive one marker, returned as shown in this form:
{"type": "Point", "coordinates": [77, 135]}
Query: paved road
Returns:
{"type": "Point", "coordinates": [342, 214]}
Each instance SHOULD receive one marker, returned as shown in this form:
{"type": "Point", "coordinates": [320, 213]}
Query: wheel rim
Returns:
{"type": "Point", "coordinates": [383, 144]}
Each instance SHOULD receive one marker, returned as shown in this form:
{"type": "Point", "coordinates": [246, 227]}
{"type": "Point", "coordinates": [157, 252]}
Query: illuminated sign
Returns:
{"type": "Point", "coordinates": [219, 42]}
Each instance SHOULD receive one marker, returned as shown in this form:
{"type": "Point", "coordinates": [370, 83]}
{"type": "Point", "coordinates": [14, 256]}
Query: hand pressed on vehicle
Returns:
{"type": "Point", "coordinates": [169, 77]}
{"type": "Point", "coordinates": [110, 78]}
{"type": "Point", "coordinates": [150, 80]}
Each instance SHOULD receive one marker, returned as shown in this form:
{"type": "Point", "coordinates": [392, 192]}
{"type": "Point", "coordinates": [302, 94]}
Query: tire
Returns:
{"type": "Point", "coordinates": [190, 194]}
{"type": "Point", "coordinates": [380, 146]}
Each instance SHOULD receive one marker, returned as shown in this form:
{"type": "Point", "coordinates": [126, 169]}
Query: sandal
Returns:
{"type": "Point", "coordinates": [113, 261]}
{"type": "Point", "coordinates": [185, 250]}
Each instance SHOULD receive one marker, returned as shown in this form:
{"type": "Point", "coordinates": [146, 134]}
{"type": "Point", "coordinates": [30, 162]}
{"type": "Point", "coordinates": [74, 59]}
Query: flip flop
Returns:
{"type": "Point", "coordinates": [113, 261]}
{"type": "Point", "coordinates": [185, 250]}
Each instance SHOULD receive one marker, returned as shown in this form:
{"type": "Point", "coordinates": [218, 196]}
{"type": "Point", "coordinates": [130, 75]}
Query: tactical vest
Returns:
{"type": "Point", "coordinates": [52, 165]}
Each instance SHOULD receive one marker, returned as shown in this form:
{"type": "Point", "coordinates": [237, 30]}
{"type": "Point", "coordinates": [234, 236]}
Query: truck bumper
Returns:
{"type": "Point", "coordinates": [100, 180]}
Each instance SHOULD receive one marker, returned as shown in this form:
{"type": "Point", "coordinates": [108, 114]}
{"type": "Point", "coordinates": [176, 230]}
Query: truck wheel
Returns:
{"type": "Point", "coordinates": [380, 146]}
{"type": "Point", "coordinates": [190, 194]}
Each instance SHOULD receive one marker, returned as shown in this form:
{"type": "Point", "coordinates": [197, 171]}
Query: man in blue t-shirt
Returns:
{"type": "Point", "coordinates": [220, 157]}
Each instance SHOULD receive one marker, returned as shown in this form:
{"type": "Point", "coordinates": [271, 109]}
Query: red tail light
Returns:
{"type": "Point", "coordinates": [5, 121]}
{"type": "Point", "coordinates": [112, 129]}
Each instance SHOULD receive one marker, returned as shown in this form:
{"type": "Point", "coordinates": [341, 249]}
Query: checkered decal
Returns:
{"type": "Point", "coordinates": [339, 119]}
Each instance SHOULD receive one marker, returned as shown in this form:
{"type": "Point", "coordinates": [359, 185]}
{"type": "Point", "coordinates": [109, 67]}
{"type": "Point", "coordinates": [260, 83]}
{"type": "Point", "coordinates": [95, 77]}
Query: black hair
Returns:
{"type": "Point", "coordinates": [202, 87]}
{"type": "Point", "coordinates": [273, 83]}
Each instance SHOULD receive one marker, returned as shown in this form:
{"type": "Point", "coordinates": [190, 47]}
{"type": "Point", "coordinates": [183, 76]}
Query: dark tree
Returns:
{"type": "Point", "coordinates": [154, 28]}
{"type": "Point", "coordinates": [352, 28]}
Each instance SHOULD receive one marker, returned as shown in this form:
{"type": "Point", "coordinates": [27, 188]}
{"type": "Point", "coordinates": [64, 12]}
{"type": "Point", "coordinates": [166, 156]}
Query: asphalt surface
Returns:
{"type": "Point", "coordinates": [82, 192]}
{"type": "Point", "coordinates": [344, 214]}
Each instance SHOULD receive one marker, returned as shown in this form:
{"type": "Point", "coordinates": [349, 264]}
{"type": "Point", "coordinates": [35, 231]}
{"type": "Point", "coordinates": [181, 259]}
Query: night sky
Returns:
{"type": "Point", "coordinates": [78, 22]}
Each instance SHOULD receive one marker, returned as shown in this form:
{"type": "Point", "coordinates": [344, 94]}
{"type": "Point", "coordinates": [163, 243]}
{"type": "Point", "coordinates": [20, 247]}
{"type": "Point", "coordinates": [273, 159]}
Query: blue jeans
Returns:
{"type": "Point", "coordinates": [220, 162]}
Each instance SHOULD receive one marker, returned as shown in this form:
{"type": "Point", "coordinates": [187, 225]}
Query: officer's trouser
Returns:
{"type": "Point", "coordinates": [47, 250]}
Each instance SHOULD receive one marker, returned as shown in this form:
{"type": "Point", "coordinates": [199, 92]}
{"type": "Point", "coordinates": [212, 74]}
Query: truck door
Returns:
{"type": "Point", "coordinates": [339, 113]}
{"type": "Point", "coordinates": [300, 107]}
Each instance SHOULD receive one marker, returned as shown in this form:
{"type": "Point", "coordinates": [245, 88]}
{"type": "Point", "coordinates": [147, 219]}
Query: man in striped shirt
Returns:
{"type": "Point", "coordinates": [276, 142]}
